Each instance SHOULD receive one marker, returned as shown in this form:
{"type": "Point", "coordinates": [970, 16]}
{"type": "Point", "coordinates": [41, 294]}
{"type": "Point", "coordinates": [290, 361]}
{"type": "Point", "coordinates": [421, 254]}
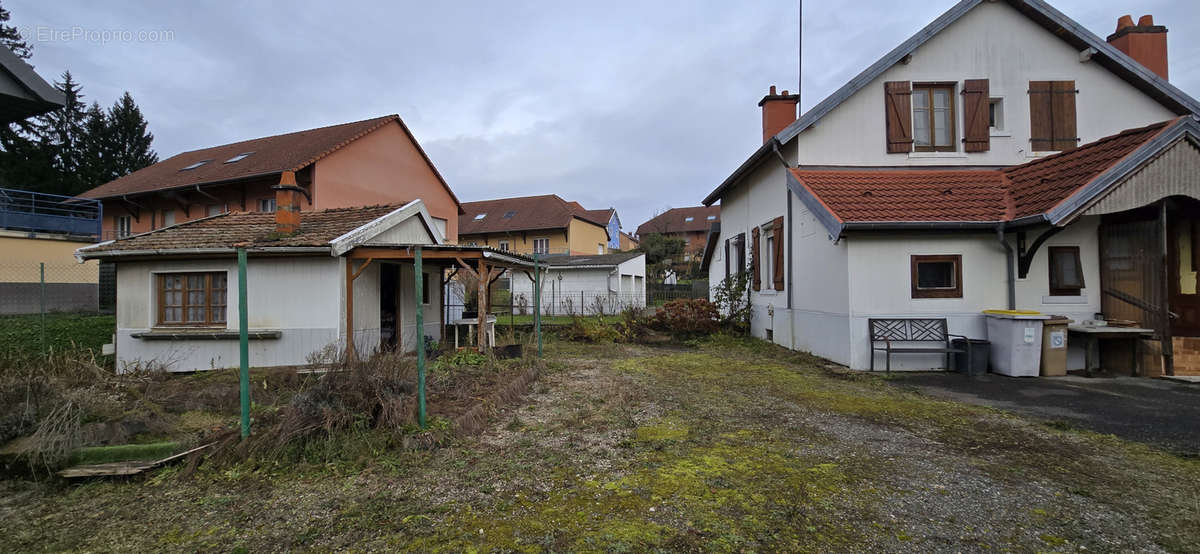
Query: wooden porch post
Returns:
{"type": "Point", "coordinates": [484, 276]}
{"type": "Point", "coordinates": [1168, 349]}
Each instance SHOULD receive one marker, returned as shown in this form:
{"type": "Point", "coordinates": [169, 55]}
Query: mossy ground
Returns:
{"type": "Point", "coordinates": [722, 445]}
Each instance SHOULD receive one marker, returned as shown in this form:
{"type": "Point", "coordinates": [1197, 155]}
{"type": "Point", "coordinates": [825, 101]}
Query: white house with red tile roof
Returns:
{"type": "Point", "coordinates": [941, 181]}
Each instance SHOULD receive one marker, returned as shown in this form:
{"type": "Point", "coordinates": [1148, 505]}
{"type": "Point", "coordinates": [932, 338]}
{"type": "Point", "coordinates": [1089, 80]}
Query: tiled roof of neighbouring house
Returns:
{"type": "Point", "coordinates": [262, 157]}
{"type": "Point", "coordinates": [966, 195]}
{"type": "Point", "coordinates": [317, 228]}
{"type": "Point", "coordinates": [676, 220]}
{"type": "Point", "coordinates": [525, 213]}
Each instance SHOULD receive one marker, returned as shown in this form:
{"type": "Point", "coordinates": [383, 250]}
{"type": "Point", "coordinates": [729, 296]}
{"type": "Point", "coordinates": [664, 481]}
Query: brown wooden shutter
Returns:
{"type": "Point", "coordinates": [1052, 115]}
{"type": "Point", "coordinates": [777, 228]}
{"type": "Point", "coordinates": [1041, 130]}
{"type": "Point", "coordinates": [976, 132]}
{"type": "Point", "coordinates": [756, 275]}
{"type": "Point", "coordinates": [898, 115]}
{"type": "Point", "coordinates": [726, 257]}
{"type": "Point", "coordinates": [1063, 108]}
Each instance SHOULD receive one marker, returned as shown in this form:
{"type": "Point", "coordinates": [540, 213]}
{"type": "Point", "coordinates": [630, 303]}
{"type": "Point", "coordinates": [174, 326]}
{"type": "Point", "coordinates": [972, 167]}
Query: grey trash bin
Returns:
{"type": "Point", "coordinates": [979, 351]}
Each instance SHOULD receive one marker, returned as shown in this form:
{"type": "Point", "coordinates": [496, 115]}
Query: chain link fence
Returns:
{"type": "Point", "coordinates": [41, 288]}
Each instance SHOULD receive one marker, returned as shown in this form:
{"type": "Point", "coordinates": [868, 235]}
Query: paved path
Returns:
{"type": "Point", "coordinates": [1155, 411]}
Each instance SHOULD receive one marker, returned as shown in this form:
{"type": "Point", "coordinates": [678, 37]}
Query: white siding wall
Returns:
{"type": "Point", "coordinates": [294, 295]}
{"type": "Point", "coordinates": [880, 285]}
{"type": "Point", "coordinates": [820, 289]}
{"type": "Point", "coordinates": [619, 287]}
{"type": "Point", "coordinates": [406, 315]}
{"type": "Point", "coordinates": [995, 42]}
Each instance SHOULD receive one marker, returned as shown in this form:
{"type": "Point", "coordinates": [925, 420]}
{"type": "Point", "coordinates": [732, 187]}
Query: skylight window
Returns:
{"type": "Point", "coordinates": [195, 165]}
{"type": "Point", "coordinates": [509, 215]}
{"type": "Point", "coordinates": [480, 216]}
{"type": "Point", "coordinates": [689, 219]}
{"type": "Point", "coordinates": [238, 157]}
{"type": "Point", "coordinates": [711, 218]}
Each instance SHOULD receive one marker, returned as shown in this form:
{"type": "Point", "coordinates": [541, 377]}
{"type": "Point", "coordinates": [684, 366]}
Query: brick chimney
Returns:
{"type": "Point", "coordinates": [1145, 42]}
{"type": "Point", "coordinates": [287, 204]}
{"type": "Point", "coordinates": [778, 111]}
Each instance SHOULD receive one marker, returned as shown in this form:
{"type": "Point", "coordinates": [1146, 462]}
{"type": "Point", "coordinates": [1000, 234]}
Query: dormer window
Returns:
{"type": "Point", "coordinates": [195, 165]}
{"type": "Point", "coordinates": [480, 216]}
{"type": "Point", "coordinates": [238, 157]}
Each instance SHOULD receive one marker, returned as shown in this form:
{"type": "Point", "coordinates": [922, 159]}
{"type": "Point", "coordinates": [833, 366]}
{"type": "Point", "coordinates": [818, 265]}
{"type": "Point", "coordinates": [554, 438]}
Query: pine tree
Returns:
{"type": "Point", "coordinates": [96, 151]}
{"type": "Point", "coordinates": [11, 37]}
{"type": "Point", "coordinates": [130, 141]}
{"type": "Point", "coordinates": [62, 135]}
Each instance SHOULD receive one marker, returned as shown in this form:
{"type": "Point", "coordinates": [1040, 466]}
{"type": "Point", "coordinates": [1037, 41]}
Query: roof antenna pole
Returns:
{"type": "Point", "coordinates": [800, 54]}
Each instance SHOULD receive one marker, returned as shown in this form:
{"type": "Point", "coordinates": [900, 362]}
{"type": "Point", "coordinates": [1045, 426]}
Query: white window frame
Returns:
{"type": "Point", "coordinates": [168, 214]}
{"type": "Point", "coordinates": [600, 249]}
{"type": "Point", "coordinates": [544, 241]}
{"type": "Point", "coordinates": [1001, 130]}
{"type": "Point", "coordinates": [124, 226]}
{"type": "Point", "coordinates": [220, 209]}
{"type": "Point", "coordinates": [502, 245]}
{"type": "Point", "coordinates": [266, 205]}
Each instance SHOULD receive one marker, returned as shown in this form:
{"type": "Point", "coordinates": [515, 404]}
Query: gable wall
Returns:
{"type": "Point", "coordinates": [995, 42]}
{"type": "Point", "coordinates": [383, 167]}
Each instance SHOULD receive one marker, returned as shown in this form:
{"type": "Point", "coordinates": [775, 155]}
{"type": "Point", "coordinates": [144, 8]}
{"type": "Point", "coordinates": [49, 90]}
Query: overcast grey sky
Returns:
{"type": "Point", "coordinates": [635, 105]}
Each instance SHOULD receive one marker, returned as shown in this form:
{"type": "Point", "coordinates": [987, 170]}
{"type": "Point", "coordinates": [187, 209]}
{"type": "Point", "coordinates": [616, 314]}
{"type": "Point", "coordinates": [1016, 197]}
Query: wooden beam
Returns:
{"type": "Point", "coordinates": [470, 271]}
{"type": "Point", "coordinates": [362, 268]}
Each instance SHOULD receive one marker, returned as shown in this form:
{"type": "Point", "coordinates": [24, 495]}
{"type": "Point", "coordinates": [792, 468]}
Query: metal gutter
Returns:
{"type": "Point", "coordinates": [82, 255]}
{"type": "Point", "coordinates": [1008, 266]}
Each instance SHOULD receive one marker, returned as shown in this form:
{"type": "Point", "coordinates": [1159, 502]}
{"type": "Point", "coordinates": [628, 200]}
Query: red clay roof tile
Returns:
{"type": "Point", "coordinates": [968, 195]}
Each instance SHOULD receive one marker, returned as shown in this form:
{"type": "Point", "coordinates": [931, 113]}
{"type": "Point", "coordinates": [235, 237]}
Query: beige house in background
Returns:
{"type": "Point", "coordinates": [544, 224]}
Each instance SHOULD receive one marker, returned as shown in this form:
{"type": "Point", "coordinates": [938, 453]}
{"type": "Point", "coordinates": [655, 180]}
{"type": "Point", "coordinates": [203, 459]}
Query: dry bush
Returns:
{"type": "Point", "coordinates": [687, 317]}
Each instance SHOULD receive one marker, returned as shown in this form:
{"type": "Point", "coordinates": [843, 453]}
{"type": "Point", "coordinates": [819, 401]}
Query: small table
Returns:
{"type": "Point", "coordinates": [1093, 334]}
{"type": "Point", "coordinates": [471, 322]}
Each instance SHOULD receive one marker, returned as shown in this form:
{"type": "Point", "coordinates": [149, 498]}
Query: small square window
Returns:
{"type": "Point", "coordinates": [266, 205]}
{"type": "Point", "coordinates": [1066, 272]}
{"type": "Point", "coordinates": [937, 276]}
{"type": "Point", "coordinates": [996, 114]}
{"type": "Point", "coordinates": [480, 216]}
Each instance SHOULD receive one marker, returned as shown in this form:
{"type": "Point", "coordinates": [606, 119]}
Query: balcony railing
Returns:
{"type": "Point", "coordinates": [40, 212]}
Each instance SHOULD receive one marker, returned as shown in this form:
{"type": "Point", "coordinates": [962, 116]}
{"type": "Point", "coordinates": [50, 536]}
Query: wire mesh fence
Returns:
{"type": "Point", "coordinates": [40, 288]}
{"type": "Point", "coordinates": [519, 305]}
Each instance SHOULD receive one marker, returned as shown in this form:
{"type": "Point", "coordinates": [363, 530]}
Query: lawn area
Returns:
{"type": "Point", "coordinates": [503, 320]}
{"type": "Point", "coordinates": [21, 335]}
{"type": "Point", "coordinates": [724, 445]}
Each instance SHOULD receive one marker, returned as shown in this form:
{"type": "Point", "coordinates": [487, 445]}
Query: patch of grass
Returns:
{"type": "Point", "coordinates": [124, 453]}
{"type": "Point", "coordinates": [554, 320]}
{"type": "Point", "coordinates": [22, 335]}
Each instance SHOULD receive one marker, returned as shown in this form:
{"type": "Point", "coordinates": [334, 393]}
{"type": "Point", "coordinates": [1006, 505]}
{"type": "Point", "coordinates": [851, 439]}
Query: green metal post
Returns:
{"type": "Point", "coordinates": [244, 342]}
{"type": "Point", "coordinates": [537, 303]}
{"type": "Point", "coordinates": [420, 276]}
{"type": "Point", "coordinates": [42, 280]}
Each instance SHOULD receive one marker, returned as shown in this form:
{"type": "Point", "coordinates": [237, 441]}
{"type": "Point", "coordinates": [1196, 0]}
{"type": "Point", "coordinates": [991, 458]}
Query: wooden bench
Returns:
{"type": "Point", "coordinates": [903, 330]}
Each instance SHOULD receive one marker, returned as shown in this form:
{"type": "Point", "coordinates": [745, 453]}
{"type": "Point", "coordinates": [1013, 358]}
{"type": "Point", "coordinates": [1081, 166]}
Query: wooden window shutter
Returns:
{"type": "Point", "coordinates": [898, 116]}
{"type": "Point", "coordinates": [726, 257]}
{"type": "Point", "coordinates": [1052, 115]}
{"type": "Point", "coordinates": [1063, 109]}
{"type": "Point", "coordinates": [777, 228]}
{"type": "Point", "coordinates": [755, 274]}
{"type": "Point", "coordinates": [976, 132]}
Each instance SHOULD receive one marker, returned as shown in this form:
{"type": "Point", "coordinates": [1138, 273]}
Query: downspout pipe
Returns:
{"type": "Point", "coordinates": [787, 198]}
{"type": "Point", "coordinates": [1010, 267]}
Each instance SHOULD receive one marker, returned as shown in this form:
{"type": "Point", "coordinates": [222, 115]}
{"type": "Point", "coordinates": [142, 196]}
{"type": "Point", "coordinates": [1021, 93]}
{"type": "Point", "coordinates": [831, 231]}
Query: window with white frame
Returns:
{"type": "Point", "coordinates": [996, 115]}
{"type": "Point", "coordinates": [600, 248]}
{"type": "Point", "coordinates": [266, 205]}
{"type": "Point", "coordinates": [502, 245]}
{"type": "Point", "coordinates": [168, 218]}
{"type": "Point", "coordinates": [124, 226]}
{"type": "Point", "coordinates": [541, 246]}
{"type": "Point", "coordinates": [216, 209]}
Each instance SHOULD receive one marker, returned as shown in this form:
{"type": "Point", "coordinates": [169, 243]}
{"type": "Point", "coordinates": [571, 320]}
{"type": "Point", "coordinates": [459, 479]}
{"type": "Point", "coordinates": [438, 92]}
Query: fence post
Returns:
{"type": "Point", "coordinates": [243, 343]}
{"type": "Point", "coordinates": [418, 272]}
{"type": "Point", "coordinates": [42, 303]}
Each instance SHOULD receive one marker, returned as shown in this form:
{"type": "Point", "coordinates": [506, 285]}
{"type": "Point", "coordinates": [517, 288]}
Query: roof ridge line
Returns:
{"type": "Point", "coordinates": [277, 135]}
{"type": "Point", "coordinates": [379, 125]}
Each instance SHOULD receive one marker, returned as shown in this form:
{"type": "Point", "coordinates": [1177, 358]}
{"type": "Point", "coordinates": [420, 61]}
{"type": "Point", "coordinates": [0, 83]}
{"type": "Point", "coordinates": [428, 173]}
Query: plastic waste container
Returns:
{"type": "Point", "coordinates": [977, 361]}
{"type": "Point", "coordinates": [1054, 346]}
{"type": "Point", "coordinates": [1016, 338]}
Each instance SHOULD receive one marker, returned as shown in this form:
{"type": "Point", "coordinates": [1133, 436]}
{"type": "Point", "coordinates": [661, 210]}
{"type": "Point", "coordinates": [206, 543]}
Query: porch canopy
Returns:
{"type": "Point", "coordinates": [483, 263]}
